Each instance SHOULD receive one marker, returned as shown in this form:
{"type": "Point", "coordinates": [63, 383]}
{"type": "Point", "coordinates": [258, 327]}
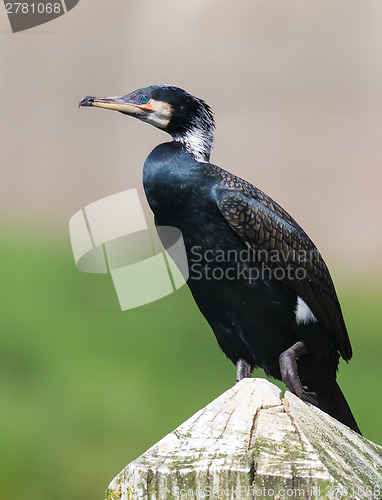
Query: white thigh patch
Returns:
{"type": "Point", "coordinates": [303, 313]}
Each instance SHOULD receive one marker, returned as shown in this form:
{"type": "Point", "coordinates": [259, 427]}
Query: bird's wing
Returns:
{"type": "Point", "coordinates": [281, 244]}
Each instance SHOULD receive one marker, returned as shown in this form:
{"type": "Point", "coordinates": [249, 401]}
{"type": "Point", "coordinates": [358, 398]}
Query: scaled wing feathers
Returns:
{"type": "Point", "coordinates": [288, 247]}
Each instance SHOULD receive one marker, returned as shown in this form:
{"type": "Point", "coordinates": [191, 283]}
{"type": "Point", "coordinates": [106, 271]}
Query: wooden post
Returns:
{"type": "Point", "coordinates": [251, 443]}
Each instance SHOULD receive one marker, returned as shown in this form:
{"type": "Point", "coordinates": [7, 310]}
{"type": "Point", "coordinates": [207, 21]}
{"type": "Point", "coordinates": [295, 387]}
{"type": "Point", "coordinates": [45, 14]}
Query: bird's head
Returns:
{"type": "Point", "coordinates": [186, 118]}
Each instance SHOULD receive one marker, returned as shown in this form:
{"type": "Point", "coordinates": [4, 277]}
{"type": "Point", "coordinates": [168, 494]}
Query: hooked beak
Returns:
{"type": "Point", "coordinates": [120, 104]}
{"type": "Point", "coordinates": [157, 113]}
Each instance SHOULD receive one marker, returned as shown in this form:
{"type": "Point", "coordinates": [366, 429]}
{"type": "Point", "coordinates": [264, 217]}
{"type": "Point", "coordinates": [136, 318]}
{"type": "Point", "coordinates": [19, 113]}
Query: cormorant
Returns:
{"type": "Point", "coordinates": [255, 275]}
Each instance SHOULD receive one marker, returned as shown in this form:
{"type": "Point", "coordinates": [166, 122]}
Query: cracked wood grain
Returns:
{"type": "Point", "coordinates": [250, 439]}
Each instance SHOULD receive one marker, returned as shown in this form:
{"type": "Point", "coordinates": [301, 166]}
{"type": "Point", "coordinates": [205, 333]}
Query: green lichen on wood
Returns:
{"type": "Point", "coordinates": [250, 444]}
{"type": "Point", "coordinates": [115, 493]}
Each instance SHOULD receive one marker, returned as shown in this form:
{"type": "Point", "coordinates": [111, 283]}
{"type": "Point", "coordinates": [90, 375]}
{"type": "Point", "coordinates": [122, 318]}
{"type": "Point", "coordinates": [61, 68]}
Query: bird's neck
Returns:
{"type": "Point", "coordinates": [197, 141]}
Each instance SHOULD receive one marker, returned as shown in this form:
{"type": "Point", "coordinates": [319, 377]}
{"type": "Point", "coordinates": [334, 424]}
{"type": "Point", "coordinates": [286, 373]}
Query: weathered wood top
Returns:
{"type": "Point", "coordinates": [252, 443]}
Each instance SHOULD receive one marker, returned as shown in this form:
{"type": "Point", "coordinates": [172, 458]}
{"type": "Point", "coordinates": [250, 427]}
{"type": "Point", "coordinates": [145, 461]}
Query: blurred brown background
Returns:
{"type": "Point", "coordinates": [296, 88]}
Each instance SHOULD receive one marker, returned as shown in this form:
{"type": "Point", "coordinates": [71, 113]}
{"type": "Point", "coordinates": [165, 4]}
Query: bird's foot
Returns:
{"type": "Point", "coordinates": [289, 372]}
{"type": "Point", "coordinates": [243, 370]}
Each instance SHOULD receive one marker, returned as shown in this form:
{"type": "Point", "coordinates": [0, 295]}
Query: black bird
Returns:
{"type": "Point", "coordinates": [255, 275]}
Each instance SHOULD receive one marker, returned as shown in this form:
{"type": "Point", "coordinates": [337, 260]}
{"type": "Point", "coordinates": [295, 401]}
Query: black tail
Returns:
{"type": "Point", "coordinates": [333, 402]}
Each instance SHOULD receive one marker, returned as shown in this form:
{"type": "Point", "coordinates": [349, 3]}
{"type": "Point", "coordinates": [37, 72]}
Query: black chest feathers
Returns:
{"type": "Point", "coordinates": [243, 304]}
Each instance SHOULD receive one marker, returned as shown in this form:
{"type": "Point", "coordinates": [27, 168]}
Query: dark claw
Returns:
{"type": "Point", "coordinates": [310, 397]}
{"type": "Point", "coordinates": [289, 372]}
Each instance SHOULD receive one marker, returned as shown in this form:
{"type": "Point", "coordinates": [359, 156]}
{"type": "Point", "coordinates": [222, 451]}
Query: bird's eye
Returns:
{"type": "Point", "coordinates": [144, 99]}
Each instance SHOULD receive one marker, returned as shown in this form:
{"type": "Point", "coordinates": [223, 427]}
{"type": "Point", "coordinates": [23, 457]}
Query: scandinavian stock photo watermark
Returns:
{"type": "Point", "coordinates": [29, 14]}
{"type": "Point", "coordinates": [249, 265]}
{"type": "Point", "coordinates": [112, 236]}
{"type": "Point", "coordinates": [330, 492]}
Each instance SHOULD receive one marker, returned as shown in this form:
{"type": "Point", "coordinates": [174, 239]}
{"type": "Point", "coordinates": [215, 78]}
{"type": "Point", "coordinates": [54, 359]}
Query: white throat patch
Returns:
{"type": "Point", "coordinates": [196, 142]}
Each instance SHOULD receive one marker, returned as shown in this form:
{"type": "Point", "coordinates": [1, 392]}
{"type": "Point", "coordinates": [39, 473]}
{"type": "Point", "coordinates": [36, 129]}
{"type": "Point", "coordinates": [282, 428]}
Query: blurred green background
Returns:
{"type": "Point", "coordinates": [85, 388]}
{"type": "Point", "coordinates": [296, 88]}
